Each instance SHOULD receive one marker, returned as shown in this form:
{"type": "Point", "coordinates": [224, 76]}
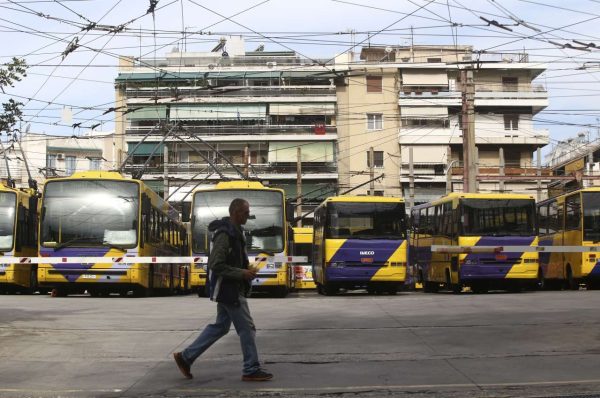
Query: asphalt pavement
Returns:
{"type": "Point", "coordinates": [529, 344]}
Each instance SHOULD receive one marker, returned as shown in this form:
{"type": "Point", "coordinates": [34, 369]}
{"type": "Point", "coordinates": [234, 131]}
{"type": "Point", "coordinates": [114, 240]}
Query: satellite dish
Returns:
{"type": "Point", "coordinates": [388, 49]}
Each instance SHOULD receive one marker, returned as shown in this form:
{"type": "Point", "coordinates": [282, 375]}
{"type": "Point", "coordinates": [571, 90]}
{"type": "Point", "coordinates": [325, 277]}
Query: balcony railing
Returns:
{"type": "Point", "coordinates": [225, 168]}
{"type": "Point", "coordinates": [242, 130]}
{"type": "Point", "coordinates": [232, 91]}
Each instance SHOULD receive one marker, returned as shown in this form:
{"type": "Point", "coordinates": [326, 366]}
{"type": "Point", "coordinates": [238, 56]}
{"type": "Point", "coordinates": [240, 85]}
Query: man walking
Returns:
{"type": "Point", "coordinates": [230, 278]}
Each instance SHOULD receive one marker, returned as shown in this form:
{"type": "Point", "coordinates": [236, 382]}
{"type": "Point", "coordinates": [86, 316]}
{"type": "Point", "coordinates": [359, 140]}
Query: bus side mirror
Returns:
{"type": "Point", "coordinates": [186, 209]}
{"type": "Point", "coordinates": [289, 211]}
{"type": "Point", "coordinates": [290, 234]}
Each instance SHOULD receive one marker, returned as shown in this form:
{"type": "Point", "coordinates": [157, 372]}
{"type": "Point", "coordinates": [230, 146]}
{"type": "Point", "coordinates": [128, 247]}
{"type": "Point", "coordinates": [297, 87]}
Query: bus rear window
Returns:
{"type": "Point", "coordinates": [498, 217]}
{"type": "Point", "coordinates": [591, 216]}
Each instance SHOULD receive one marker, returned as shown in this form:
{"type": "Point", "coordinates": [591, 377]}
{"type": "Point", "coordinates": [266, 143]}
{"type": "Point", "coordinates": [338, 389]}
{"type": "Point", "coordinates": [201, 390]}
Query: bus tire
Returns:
{"type": "Point", "coordinates": [330, 290]}
{"type": "Point", "coordinates": [479, 288]}
{"type": "Point", "coordinates": [541, 282]}
{"type": "Point", "coordinates": [33, 285]}
{"type": "Point", "coordinates": [454, 288]}
{"type": "Point", "coordinates": [319, 288]}
{"type": "Point", "coordinates": [392, 289]}
{"type": "Point", "coordinates": [571, 282]}
{"type": "Point", "coordinates": [171, 288]}
{"type": "Point", "coordinates": [430, 287]}
{"type": "Point", "coordinates": [282, 292]}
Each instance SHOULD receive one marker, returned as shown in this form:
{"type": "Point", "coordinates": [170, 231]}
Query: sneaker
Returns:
{"type": "Point", "coordinates": [259, 375]}
{"type": "Point", "coordinates": [182, 365]}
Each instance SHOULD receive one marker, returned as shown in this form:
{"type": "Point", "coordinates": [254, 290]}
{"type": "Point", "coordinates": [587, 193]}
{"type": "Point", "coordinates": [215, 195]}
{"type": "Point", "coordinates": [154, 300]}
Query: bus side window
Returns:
{"type": "Point", "coordinates": [573, 212]}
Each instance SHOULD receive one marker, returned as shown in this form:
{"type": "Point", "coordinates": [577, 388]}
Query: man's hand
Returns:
{"type": "Point", "coordinates": [250, 273]}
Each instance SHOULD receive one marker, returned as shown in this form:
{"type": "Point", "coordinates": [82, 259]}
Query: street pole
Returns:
{"type": "Point", "coordinates": [372, 171]}
{"type": "Point", "coordinates": [411, 179]}
{"type": "Point", "coordinates": [501, 168]}
{"type": "Point", "coordinates": [468, 130]}
{"type": "Point", "coordinates": [299, 186]}
{"type": "Point", "coordinates": [246, 161]}
{"type": "Point", "coordinates": [448, 170]}
{"type": "Point", "coordinates": [165, 172]}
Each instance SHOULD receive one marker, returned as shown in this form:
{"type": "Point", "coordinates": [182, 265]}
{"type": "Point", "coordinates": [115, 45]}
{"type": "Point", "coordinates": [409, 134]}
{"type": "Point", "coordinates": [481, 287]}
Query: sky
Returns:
{"type": "Point", "coordinates": [43, 32]}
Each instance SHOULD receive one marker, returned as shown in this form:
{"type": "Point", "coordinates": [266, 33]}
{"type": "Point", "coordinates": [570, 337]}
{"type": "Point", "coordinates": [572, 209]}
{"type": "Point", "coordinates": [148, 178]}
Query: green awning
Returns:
{"type": "Point", "coordinates": [146, 148]}
{"type": "Point", "coordinates": [148, 112]}
{"type": "Point", "coordinates": [311, 152]}
{"type": "Point", "coordinates": [72, 149]}
{"type": "Point", "coordinates": [219, 112]}
{"type": "Point", "coordinates": [124, 77]}
{"type": "Point", "coordinates": [226, 75]}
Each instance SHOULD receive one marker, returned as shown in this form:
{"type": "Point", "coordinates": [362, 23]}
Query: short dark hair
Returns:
{"type": "Point", "coordinates": [236, 204]}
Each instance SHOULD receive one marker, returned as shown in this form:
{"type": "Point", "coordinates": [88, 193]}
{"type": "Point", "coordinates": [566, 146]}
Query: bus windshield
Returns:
{"type": "Point", "coordinates": [90, 213]}
{"type": "Point", "coordinates": [591, 216]}
{"type": "Point", "coordinates": [264, 230]}
{"type": "Point", "coordinates": [365, 220]}
{"type": "Point", "coordinates": [8, 202]}
{"type": "Point", "coordinates": [498, 217]}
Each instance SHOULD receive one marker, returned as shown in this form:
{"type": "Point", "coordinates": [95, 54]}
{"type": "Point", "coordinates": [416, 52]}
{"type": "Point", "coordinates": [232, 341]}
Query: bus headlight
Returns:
{"type": "Point", "coordinates": [336, 264]}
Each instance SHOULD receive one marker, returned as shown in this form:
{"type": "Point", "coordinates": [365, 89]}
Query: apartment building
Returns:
{"type": "Point", "coordinates": [50, 156]}
{"type": "Point", "coordinates": [201, 117]}
{"type": "Point", "coordinates": [426, 82]}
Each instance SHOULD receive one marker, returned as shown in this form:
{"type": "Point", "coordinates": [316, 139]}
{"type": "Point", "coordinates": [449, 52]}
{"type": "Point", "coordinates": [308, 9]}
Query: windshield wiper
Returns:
{"type": "Point", "coordinates": [73, 242]}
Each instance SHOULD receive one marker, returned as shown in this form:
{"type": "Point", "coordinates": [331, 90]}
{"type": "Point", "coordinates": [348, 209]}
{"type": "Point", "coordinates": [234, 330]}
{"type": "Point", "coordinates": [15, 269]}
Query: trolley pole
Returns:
{"type": "Point", "coordinates": [411, 179]}
{"type": "Point", "coordinates": [501, 168]}
{"type": "Point", "coordinates": [468, 130]}
{"type": "Point", "coordinates": [299, 186]}
{"type": "Point", "coordinates": [539, 173]}
{"type": "Point", "coordinates": [246, 161]}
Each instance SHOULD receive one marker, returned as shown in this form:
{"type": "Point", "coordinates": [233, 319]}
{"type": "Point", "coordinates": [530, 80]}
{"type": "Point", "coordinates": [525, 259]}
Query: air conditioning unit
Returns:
{"type": "Point", "coordinates": [60, 156]}
{"type": "Point", "coordinates": [211, 66]}
{"type": "Point", "coordinates": [270, 65]}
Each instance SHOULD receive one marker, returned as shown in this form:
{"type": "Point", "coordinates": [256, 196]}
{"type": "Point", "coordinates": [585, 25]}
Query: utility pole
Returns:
{"type": "Point", "coordinates": [539, 173]}
{"type": "Point", "coordinates": [165, 172]}
{"type": "Point", "coordinates": [371, 171]}
{"type": "Point", "coordinates": [246, 161]}
{"type": "Point", "coordinates": [449, 162]}
{"type": "Point", "coordinates": [411, 179]}
{"type": "Point", "coordinates": [468, 130]}
{"type": "Point", "coordinates": [299, 186]}
{"type": "Point", "coordinates": [501, 168]}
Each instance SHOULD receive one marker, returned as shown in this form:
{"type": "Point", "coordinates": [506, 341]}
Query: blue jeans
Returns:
{"type": "Point", "coordinates": [244, 326]}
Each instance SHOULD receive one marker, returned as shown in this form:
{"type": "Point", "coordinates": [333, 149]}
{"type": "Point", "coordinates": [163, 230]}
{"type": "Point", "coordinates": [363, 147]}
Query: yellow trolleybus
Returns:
{"type": "Point", "coordinates": [571, 220]}
{"type": "Point", "coordinates": [266, 231]}
{"type": "Point", "coordinates": [103, 214]}
{"type": "Point", "coordinates": [464, 221]}
{"type": "Point", "coordinates": [360, 242]}
{"type": "Point", "coordinates": [18, 238]}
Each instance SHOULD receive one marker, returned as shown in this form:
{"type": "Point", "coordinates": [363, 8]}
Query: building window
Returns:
{"type": "Point", "coordinates": [511, 122]}
{"type": "Point", "coordinates": [510, 84]}
{"type": "Point", "coordinates": [434, 60]}
{"type": "Point", "coordinates": [440, 122]}
{"type": "Point", "coordinates": [374, 84]}
{"type": "Point", "coordinates": [70, 164]}
{"type": "Point", "coordinates": [94, 164]}
{"type": "Point", "coordinates": [374, 121]}
{"type": "Point", "coordinates": [377, 193]}
{"type": "Point", "coordinates": [51, 161]}
{"type": "Point", "coordinates": [378, 158]}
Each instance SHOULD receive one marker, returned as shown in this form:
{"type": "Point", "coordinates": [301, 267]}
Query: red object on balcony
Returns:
{"type": "Point", "coordinates": [319, 128]}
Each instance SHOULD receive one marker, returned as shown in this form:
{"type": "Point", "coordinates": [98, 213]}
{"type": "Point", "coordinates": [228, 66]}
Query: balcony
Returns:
{"type": "Point", "coordinates": [185, 94]}
{"type": "Point", "coordinates": [310, 170]}
{"type": "Point", "coordinates": [315, 132]}
{"type": "Point", "coordinates": [430, 98]}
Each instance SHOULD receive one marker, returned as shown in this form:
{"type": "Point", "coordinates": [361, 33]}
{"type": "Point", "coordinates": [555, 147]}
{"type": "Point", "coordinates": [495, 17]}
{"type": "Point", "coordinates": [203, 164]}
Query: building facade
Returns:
{"type": "Point", "coordinates": [193, 119]}
{"type": "Point", "coordinates": [429, 117]}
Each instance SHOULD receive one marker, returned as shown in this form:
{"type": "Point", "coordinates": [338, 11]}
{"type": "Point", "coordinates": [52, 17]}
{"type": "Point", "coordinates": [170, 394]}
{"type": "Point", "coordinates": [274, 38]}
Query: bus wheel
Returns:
{"type": "Point", "coordinates": [541, 282]}
{"type": "Point", "coordinates": [320, 289]}
{"type": "Point", "coordinates": [593, 285]}
{"type": "Point", "coordinates": [282, 291]}
{"type": "Point", "coordinates": [33, 286]}
{"type": "Point", "coordinates": [454, 288]}
{"type": "Point", "coordinates": [572, 283]}
{"type": "Point", "coordinates": [330, 290]}
{"type": "Point", "coordinates": [479, 288]}
{"type": "Point", "coordinates": [392, 289]}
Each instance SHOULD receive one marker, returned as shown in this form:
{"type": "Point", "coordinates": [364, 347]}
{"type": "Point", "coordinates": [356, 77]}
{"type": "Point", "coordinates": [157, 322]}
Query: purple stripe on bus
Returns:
{"type": "Point", "coordinates": [351, 274]}
{"type": "Point", "coordinates": [73, 252]}
{"type": "Point", "coordinates": [484, 272]}
{"type": "Point", "coordinates": [495, 268]}
{"type": "Point", "coordinates": [595, 272]}
{"type": "Point", "coordinates": [379, 250]}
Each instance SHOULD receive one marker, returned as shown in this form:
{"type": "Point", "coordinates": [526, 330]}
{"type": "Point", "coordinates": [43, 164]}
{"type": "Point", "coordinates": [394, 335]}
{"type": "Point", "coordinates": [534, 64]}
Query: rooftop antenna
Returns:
{"type": "Point", "coordinates": [30, 181]}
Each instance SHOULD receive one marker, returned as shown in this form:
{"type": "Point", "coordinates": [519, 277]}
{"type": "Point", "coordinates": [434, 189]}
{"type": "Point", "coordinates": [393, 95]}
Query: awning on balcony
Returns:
{"type": "Point", "coordinates": [146, 148]}
{"type": "Point", "coordinates": [287, 152]}
{"type": "Point", "coordinates": [424, 78]}
{"type": "Point", "coordinates": [148, 112]}
{"type": "Point", "coordinates": [424, 112]}
{"type": "Point", "coordinates": [219, 112]}
{"type": "Point", "coordinates": [302, 109]}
